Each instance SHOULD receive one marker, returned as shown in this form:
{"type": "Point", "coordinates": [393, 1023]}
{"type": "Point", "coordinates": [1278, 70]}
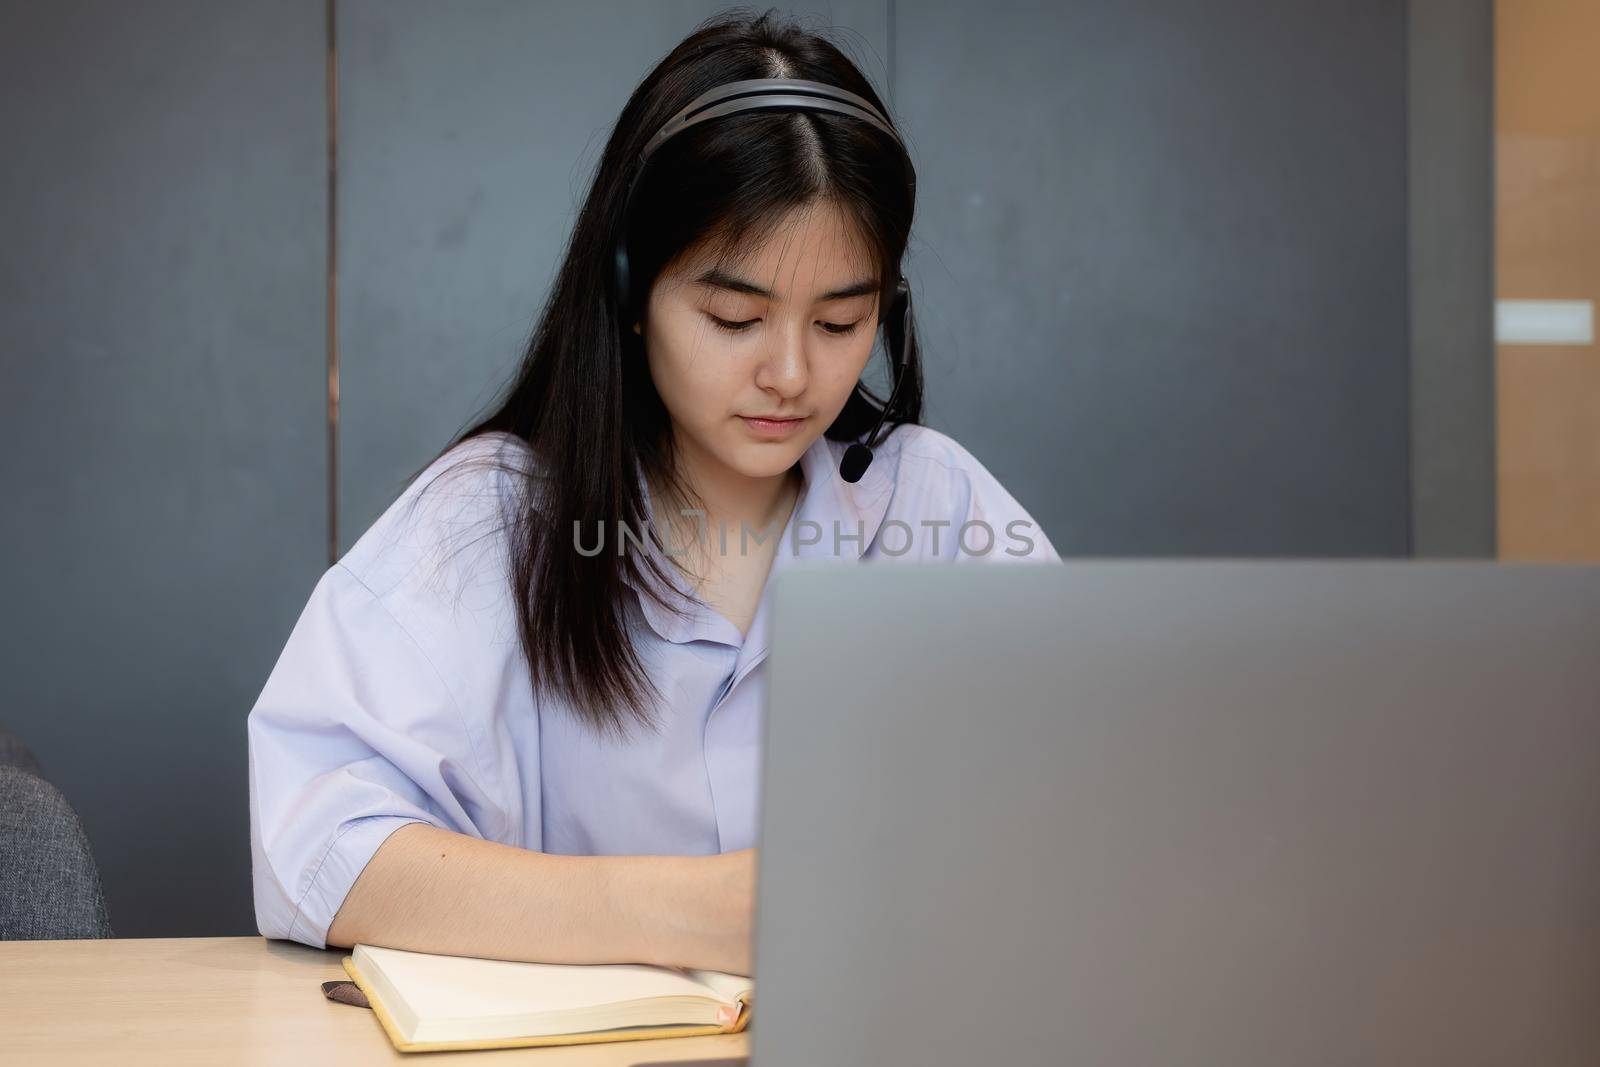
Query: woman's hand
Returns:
{"type": "Point", "coordinates": [733, 886]}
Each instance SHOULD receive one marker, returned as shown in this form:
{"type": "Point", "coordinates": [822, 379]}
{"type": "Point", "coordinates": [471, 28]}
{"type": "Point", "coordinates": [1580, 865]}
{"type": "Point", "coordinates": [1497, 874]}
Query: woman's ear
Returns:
{"type": "Point", "coordinates": [637, 330]}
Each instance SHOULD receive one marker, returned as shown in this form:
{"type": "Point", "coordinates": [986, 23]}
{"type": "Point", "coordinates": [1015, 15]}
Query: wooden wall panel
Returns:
{"type": "Point", "coordinates": [1547, 127]}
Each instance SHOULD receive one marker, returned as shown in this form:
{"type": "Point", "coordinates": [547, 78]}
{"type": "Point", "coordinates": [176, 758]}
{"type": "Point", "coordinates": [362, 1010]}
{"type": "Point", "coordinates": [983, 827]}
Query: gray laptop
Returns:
{"type": "Point", "coordinates": [1182, 812]}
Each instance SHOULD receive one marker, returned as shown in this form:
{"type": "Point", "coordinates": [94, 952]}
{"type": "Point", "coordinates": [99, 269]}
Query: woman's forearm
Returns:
{"type": "Point", "coordinates": [432, 890]}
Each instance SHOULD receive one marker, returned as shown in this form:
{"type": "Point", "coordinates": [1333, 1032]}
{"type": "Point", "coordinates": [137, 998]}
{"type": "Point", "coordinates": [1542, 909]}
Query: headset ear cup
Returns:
{"type": "Point", "coordinates": [624, 285]}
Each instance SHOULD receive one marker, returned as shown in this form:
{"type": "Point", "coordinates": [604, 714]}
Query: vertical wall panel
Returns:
{"type": "Point", "coordinates": [162, 202]}
{"type": "Point", "coordinates": [468, 135]}
{"type": "Point", "coordinates": [1162, 265]}
{"type": "Point", "coordinates": [1547, 225]}
{"type": "Point", "coordinates": [1451, 101]}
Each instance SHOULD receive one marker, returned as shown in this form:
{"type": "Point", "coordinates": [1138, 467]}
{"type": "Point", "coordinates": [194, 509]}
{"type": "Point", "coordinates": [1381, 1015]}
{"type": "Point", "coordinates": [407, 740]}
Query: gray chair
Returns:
{"type": "Point", "coordinates": [49, 884]}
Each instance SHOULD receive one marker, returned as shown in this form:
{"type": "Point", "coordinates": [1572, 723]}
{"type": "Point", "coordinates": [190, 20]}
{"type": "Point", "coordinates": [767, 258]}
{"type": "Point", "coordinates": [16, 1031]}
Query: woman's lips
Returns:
{"type": "Point", "coordinates": [772, 428]}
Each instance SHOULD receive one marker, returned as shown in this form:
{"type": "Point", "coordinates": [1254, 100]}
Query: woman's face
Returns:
{"type": "Point", "coordinates": [783, 333]}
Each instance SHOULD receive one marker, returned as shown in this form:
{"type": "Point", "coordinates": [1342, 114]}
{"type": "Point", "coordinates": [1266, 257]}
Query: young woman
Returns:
{"type": "Point", "coordinates": [521, 717]}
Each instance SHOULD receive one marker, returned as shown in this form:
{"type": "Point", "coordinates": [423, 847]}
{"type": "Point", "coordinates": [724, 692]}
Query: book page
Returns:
{"type": "Point", "coordinates": [460, 987]}
{"type": "Point", "coordinates": [727, 987]}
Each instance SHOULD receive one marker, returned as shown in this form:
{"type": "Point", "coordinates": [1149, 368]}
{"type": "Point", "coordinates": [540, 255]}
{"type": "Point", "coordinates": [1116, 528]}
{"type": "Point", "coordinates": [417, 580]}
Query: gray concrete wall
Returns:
{"type": "Point", "coordinates": [1162, 266]}
{"type": "Point", "coordinates": [162, 201]}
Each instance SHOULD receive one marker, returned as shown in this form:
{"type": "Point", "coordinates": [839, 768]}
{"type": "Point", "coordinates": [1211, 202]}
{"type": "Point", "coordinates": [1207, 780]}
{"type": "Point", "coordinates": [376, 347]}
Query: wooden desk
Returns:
{"type": "Point", "coordinates": [231, 1000]}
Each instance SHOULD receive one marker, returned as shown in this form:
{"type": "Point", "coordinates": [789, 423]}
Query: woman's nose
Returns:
{"type": "Point", "coordinates": [784, 366]}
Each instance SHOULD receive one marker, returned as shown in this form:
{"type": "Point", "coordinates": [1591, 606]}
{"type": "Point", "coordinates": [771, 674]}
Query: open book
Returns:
{"type": "Point", "coordinates": [430, 1003]}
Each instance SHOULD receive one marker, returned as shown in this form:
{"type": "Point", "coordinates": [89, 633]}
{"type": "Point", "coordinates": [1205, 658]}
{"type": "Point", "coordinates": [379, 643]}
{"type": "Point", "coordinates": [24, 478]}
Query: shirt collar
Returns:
{"type": "Point", "coordinates": [832, 520]}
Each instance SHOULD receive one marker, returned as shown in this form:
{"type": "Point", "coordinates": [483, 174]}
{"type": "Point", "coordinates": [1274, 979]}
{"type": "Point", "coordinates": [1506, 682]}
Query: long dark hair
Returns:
{"type": "Point", "coordinates": [583, 399]}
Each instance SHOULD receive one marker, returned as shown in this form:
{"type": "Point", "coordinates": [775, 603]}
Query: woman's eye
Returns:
{"type": "Point", "coordinates": [838, 329]}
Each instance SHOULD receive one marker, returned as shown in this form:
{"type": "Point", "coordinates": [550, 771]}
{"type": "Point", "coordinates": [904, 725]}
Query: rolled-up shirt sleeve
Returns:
{"type": "Point", "coordinates": [354, 735]}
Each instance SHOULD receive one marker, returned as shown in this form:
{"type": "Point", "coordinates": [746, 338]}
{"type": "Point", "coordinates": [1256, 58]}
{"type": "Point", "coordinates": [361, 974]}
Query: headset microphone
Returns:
{"type": "Point", "coordinates": [896, 326]}
{"type": "Point", "coordinates": [780, 94]}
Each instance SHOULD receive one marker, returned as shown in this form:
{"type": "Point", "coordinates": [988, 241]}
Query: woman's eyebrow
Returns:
{"type": "Point", "coordinates": [718, 279]}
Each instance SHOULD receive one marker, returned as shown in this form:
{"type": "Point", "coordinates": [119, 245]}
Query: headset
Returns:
{"type": "Point", "coordinates": [779, 94]}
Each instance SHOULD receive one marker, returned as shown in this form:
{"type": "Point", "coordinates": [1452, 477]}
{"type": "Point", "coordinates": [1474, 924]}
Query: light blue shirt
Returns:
{"type": "Point", "coordinates": [403, 694]}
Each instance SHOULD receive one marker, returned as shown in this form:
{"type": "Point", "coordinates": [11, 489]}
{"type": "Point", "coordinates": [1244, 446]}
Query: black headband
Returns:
{"type": "Point", "coordinates": [778, 94]}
